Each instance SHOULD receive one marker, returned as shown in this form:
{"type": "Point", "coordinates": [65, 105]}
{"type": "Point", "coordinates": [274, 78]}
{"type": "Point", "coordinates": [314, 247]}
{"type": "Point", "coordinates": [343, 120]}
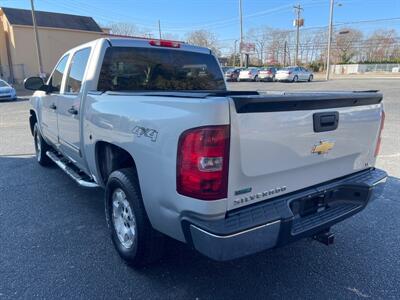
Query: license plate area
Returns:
{"type": "Point", "coordinates": [309, 205]}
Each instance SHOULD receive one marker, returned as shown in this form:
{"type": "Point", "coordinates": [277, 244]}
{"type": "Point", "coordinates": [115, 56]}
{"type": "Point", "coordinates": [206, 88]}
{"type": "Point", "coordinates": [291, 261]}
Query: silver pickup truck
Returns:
{"type": "Point", "coordinates": [230, 173]}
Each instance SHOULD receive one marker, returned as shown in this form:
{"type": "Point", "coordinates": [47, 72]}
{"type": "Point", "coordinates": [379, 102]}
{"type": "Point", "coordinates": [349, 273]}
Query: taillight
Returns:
{"type": "Point", "coordinates": [202, 162]}
{"type": "Point", "coordinates": [248, 73]}
{"type": "Point", "coordinates": [290, 73]}
{"type": "Point", "coordinates": [163, 43]}
{"type": "Point", "coordinates": [378, 142]}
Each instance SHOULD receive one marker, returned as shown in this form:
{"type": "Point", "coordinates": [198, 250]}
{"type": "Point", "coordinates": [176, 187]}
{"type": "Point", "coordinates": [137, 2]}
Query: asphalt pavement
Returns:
{"type": "Point", "coordinates": [54, 241]}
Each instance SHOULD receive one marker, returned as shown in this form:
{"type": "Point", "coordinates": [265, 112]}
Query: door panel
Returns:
{"type": "Point", "coordinates": [69, 105]}
{"type": "Point", "coordinates": [49, 117]}
{"type": "Point", "coordinates": [49, 102]}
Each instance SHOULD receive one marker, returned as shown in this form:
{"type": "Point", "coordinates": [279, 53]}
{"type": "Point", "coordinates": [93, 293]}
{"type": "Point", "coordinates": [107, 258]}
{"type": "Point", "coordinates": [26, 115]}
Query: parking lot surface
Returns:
{"type": "Point", "coordinates": [54, 241]}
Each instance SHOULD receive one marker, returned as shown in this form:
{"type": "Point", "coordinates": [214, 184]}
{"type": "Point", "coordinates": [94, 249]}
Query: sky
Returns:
{"type": "Point", "coordinates": [177, 17]}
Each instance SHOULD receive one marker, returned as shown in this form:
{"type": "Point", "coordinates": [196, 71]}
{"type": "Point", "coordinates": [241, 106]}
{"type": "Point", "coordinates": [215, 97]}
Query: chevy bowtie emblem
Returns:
{"type": "Point", "coordinates": [323, 147]}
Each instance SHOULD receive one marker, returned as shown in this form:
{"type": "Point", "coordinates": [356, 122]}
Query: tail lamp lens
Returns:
{"type": "Point", "coordinates": [203, 161]}
{"type": "Point", "coordinates": [378, 143]}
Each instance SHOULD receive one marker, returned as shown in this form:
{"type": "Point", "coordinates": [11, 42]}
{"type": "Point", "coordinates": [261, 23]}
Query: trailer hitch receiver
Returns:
{"type": "Point", "coordinates": [325, 237]}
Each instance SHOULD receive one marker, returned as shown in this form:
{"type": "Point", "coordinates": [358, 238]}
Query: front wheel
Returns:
{"type": "Point", "coordinates": [41, 147]}
{"type": "Point", "coordinates": [131, 232]}
{"type": "Point", "coordinates": [310, 78]}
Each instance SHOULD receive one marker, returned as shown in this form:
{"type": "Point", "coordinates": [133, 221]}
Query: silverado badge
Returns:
{"type": "Point", "coordinates": [323, 147]}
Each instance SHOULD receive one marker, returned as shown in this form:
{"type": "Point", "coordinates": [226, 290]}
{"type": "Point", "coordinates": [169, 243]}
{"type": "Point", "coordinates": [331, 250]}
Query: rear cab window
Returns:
{"type": "Point", "coordinates": [149, 69]}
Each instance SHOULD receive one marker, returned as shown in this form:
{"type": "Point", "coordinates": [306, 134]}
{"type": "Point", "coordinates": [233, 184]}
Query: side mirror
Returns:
{"type": "Point", "coordinates": [35, 84]}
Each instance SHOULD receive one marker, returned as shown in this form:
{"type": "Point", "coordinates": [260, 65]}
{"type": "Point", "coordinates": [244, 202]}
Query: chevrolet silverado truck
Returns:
{"type": "Point", "coordinates": [230, 173]}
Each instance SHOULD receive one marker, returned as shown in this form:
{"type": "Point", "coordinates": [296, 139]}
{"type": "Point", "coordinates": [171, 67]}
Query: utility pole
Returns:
{"type": "Point", "coordinates": [39, 54]}
{"type": "Point", "coordinates": [328, 55]}
{"type": "Point", "coordinates": [284, 54]}
{"type": "Point", "coordinates": [234, 53]}
{"type": "Point", "coordinates": [159, 28]}
{"type": "Point", "coordinates": [298, 22]}
{"type": "Point", "coordinates": [241, 33]}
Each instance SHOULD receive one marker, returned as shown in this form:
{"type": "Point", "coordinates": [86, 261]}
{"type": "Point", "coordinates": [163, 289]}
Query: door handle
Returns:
{"type": "Point", "coordinates": [73, 111]}
{"type": "Point", "coordinates": [53, 106]}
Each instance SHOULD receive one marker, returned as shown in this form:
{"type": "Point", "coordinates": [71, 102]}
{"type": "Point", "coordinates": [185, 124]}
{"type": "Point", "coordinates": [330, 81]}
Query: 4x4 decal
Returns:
{"type": "Point", "coordinates": [152, 134]}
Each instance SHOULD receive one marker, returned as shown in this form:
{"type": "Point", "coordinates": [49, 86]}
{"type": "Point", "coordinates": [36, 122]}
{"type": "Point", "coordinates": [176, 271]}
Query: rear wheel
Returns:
{"type": "Point", "coordinates": [310, 78]}
{"type": "Point", "coordinates": [295, 78]}
{"type": "Point", "coordinates": [131, 232]}
{"type": "Point", "coordinates": [256, 78]}
{"type": "Point", "coordinates": [41, 147]}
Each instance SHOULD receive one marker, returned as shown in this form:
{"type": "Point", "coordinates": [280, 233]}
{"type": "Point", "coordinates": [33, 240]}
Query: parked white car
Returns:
{"type": "Point", "coordinates": [294, 74]}
{"type": "Point", "coordinates": [249, 74]}
{"type": "Point", "coordinates": [7, 92]}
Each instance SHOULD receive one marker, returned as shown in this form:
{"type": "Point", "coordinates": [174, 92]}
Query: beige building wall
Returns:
{"type": "Point", "coordinates": [4, 28]}
{"type": "Point", "coordinates": [53, 43]}
{"type": "Point", "coordinates": [22, 50]}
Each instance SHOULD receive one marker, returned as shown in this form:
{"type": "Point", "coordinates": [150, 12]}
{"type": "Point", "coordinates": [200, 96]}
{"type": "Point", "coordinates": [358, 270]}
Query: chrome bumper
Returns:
{"type": "Point", "coordinates": [276, 223]}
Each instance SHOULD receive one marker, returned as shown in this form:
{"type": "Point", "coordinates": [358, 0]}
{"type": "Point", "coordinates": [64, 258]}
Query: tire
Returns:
{"type": "Point", "coordinates": [256, 79]}
{"type": "Point", "coordinates": [41, 147]}
{"type": "Point", "coordinates": [136, 241]}
{"type": "Point", "coordinates": [295, 78]}
{"type": "Point", "coordinates": [310, 78]}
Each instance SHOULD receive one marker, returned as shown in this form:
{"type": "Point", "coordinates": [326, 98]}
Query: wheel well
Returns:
{"type": "Point", "coordinates": [110, 158]}
{"type": "Point", "coordinates": [32, 119]}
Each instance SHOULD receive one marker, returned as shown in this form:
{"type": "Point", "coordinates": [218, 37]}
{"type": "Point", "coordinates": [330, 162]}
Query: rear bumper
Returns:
{"type": "Point", "coordinates": [277, 222]}
{"type": "Point", "coordinates": [283, 77]}
{"type": "Point", "coordinates": [265, 76]}
{"type": "Point", "coordinates": [7, 97]}
{"type": "Point", "coordinates": [246, 78]}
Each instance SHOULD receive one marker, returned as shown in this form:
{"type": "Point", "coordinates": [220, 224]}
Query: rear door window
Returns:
{"type": "Point", "coordinates": [148, 69]}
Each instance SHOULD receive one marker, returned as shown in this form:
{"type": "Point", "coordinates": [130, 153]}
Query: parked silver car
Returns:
{"type": "Point", "coordinates": [267, 74]}
{"type": "Point", "coordinates": [248, 74]}
{"type": "Point", "coordinates": [294, 74]}
{"type": "Point", "coordinates": [7, 92]}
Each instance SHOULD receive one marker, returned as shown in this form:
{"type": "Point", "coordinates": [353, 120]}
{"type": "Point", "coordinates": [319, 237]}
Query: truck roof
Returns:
{"type": "Point", "coordinates": [145, 42]}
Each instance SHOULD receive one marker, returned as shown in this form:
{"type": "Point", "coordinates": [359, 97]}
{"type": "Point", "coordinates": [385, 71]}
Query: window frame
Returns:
{"type": "Point", "coordinates": [49, 81]}
{"type": "Point", "coordinates": [70, 65]}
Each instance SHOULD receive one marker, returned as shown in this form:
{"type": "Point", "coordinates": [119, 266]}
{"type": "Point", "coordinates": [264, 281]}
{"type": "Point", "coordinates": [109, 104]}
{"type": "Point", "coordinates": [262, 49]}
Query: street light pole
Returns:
{"type": "Point", "coordinates": [241, 33]}
{"type": "Point", "coordinates": [328, 55]}
{"type": "Point", "coordinates": [39, 55]}
{"type": "Point", "coordinates": [234, 53]}
{"type": "Point", "coordinates": [159, 28]}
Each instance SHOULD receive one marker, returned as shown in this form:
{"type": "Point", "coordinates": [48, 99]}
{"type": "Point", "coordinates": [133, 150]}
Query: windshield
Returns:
{"type": "Point", "coordinates": [148, 69]}
{"type": "Point", "coordinates": [3, 84]}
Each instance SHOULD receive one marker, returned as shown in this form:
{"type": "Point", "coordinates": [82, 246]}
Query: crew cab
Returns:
{"type": "Point", "coordinates": [179, 155]}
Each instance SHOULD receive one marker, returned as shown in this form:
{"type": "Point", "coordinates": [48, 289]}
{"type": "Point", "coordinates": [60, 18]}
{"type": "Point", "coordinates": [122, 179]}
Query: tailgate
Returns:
{"type": "Point", "coordinates": [284, 143]}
